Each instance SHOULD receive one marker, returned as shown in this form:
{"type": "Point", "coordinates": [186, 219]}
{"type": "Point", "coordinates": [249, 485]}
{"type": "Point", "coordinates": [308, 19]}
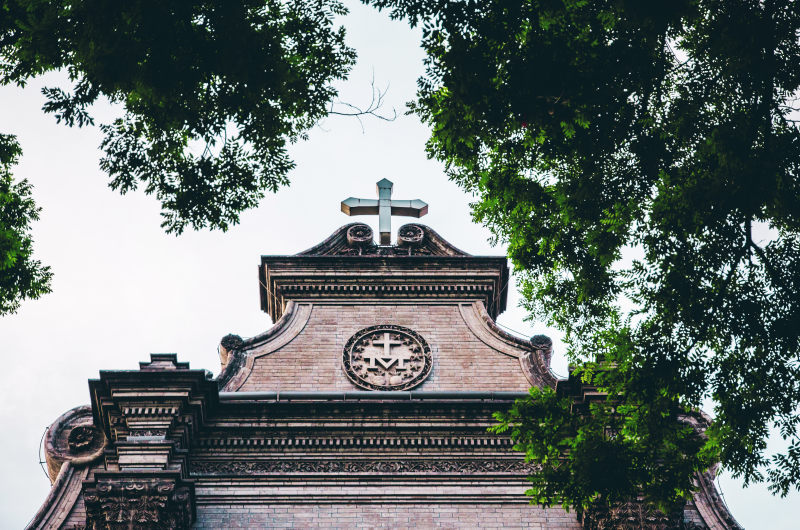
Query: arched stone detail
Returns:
{"type": "Point", "coordinates": [62, 497]}
{"type": "Point", "coordinates": [532, 360]}
{"type": "Point", "coordinates": [291, 323]}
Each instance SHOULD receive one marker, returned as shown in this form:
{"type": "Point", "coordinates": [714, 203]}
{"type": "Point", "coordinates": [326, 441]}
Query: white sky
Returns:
{"type": "Point", "coordinates": [123, 288]}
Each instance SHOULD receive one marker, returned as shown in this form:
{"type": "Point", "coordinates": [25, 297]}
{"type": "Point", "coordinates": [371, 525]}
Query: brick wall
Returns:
{"type": "Point", "coordinates": [312, 361]}
{"type": "Point", "coordinates": [396, 516]}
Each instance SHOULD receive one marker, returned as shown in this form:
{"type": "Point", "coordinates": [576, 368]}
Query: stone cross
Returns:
{"type": "Point", "coordinates": [386, 358]}
{"type": "Point", "coordinates": [384, 208]}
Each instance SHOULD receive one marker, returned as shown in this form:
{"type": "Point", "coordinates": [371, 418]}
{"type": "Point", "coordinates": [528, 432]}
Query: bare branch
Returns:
{"type": "Point", "coordinates": [372, 109]}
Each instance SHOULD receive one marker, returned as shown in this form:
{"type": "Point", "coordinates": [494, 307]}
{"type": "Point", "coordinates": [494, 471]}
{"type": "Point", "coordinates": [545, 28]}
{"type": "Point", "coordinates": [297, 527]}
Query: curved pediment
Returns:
{"type": "Point", "coordinates": [356, 239]}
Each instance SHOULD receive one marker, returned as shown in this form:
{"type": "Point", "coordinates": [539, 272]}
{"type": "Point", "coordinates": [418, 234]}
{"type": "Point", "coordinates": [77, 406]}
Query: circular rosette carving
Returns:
{"type": "Point", "coordinates": [410, 235]}
{"type": "Point", "coordinates": [387, 357]}
{"type": "Point", "coordinates": [74, 438]}
{"type": "Point", "coordinates": [359, 236]}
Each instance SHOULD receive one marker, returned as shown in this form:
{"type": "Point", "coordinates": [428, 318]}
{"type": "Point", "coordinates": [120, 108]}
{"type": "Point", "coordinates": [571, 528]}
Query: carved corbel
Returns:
{"type": "Point", "coordinates": [137, 501]}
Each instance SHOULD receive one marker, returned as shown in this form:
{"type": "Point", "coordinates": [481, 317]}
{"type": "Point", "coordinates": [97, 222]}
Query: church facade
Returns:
{"type": "Point", "coordinates": [366, 405]}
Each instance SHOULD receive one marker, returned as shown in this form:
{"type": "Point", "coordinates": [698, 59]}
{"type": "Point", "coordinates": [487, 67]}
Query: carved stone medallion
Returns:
{"type": "Point", "coordinates": [387, 357]}
{"type": "Point", "coordinates": [81, 438]}
{"type": "Point", "coordinates": [410, 235]}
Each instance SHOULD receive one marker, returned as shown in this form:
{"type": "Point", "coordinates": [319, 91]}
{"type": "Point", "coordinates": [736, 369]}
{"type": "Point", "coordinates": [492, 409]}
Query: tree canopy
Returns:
{"type": "Point", "coordinates": [639, 159]}
{"type": "Point", "coordinates": [21, 276]}
{"type": "Point", "coordinates": [211, 94]}
{"type": "Point", "coordinates": [212, 90]}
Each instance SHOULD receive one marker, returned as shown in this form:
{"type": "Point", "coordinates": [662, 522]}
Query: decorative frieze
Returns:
{"type": "Point", "coordinates": [514, 466]}
{"type": "Point", "coordinates": [633, 515]}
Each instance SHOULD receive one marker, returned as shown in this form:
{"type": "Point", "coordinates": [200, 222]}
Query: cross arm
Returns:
{"type": "Point", "coordinates": [415, 208]}
{"type": "Point", "coordinates": [353, 206]}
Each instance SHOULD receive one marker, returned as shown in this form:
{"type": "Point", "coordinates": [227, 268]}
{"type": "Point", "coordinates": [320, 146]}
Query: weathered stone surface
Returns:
{"type": "Point", "coordinates": [127, 501]}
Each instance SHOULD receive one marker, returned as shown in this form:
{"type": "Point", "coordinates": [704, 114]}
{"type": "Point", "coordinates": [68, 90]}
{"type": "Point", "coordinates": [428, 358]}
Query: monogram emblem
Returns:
{"type": "Point", "coordinates": [386, 357]}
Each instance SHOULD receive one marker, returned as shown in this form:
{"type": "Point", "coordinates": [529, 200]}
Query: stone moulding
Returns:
{"type": "Point", "coordinates": [446, 466]}
{"type": "Point", "coordinates": [711, 505]}
{"type": "Point", "coordinates": [534, 362]}
{"type": "Point", "coordinates": [289, 326]}
{"type": "Point", "coordinates": [289, 442]}
{"type": "Point", "coordinates": [62, 497]}
{"type": "Point", "coordinates": [427, 495]}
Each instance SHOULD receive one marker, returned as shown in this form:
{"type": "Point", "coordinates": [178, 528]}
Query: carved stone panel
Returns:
{"type": "Point", "coordinates": [633, 515]}
{"type": "Point", "coordinates": [472, 466]}
{"type": "Point", "coordinates": [138, 503]}
{"type": "Point", "coordinates": [387, 357]}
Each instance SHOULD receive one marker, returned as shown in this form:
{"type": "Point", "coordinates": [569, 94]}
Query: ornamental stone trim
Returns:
{"type": "Point", "coordinates": [137, 503]}
{"type": "Point", "coordinates": [304, 443]}
{"type": "Point", "coordinates": [387, 357]}
{"type": "Point", "coordinates": [448, 466]}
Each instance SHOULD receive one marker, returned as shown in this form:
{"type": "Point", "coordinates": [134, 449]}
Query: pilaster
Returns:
{"type": "Point", "coordinates": [150, 417]}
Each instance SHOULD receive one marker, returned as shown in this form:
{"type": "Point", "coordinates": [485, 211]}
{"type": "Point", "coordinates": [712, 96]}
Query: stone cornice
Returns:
{"type": "Point", "coordinates": [162, 391]}
{"type": "Point", "coordinates": [282, 443]}
{"type": "Point", "coordinates": [395, 278]}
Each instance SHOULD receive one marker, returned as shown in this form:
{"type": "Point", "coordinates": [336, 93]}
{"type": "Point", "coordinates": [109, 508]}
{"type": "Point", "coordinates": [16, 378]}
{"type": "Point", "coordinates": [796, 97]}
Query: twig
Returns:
{"type": "Point", "coordinates": [375, 104]}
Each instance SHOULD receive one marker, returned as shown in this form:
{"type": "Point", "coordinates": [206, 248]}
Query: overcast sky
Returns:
{"type": "Point", "coordinates": [122, 288]}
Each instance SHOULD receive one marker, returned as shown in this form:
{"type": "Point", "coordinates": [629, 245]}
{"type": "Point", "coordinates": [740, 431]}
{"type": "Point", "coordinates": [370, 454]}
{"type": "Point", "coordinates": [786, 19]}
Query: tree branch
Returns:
{"type": "Point", "coordinates": [375, 104]}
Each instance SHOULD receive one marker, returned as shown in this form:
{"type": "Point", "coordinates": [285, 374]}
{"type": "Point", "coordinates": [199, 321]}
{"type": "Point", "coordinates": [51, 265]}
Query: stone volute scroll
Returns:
{"type": "Point", "coordinates": [360, 236]}
{"type": "Point", "coordinates": [387, 357]}
{"type": "Point", "coordinates": [410, 235]}
{"type": "Point", "coordinates": [73, 438]}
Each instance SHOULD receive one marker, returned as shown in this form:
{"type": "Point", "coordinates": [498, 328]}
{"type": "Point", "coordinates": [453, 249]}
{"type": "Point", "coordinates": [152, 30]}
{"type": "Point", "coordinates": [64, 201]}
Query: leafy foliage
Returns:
{"type": "Point", "coordinates": [641, 160]}
{"type": "Point", "coordinates": [21, 276]}
{"type": "Point", "coordinates": [586, 456]}
{"type": "Point", "coordinates": [212, 90]}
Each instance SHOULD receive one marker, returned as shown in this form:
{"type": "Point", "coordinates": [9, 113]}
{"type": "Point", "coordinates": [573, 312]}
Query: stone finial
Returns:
{"type": "Point", "coordinates": [543, 346]}
{"type": "Point", "coordinates": [228, 343]}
